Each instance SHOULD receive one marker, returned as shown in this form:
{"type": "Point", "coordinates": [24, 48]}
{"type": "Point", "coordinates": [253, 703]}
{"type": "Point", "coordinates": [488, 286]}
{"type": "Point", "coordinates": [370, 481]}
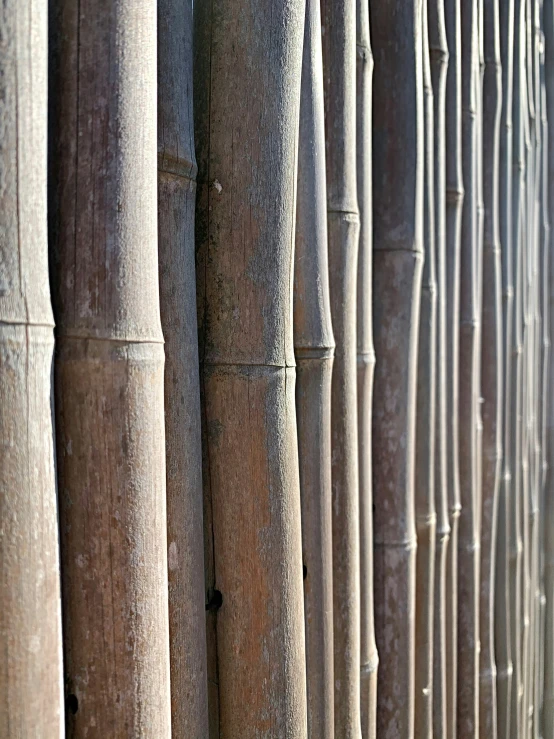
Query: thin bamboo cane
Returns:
{"type": "Point", "coordinates": [314, 349]}
{"type": "Point", "coordinates": [454, 205]}
{"type": "Point", "coordinates": [426, 426]}
{"type": "Point", "coordinates": [468, 545]}
{"type": "Point", "coordinates": [339, 72]}
{"type": "Point", "coordinates": [31, 702]}
{"type": "Point", "coordinates": [502, 608]}
{"type": "Point", "coordinates": [366, 366]}
{"type": "Point", "coordinates": [398, 200]}
{"type": "Point", "coordinates": [247, 148]}
{"type": "Point", "coordinates": [176, 204]}
{"type": "Point", "coordinates": [491, 366]}
{"type": "Point", "coordinates": [439, 56]}
{"type": "Point", "coordinates": [109, 368]}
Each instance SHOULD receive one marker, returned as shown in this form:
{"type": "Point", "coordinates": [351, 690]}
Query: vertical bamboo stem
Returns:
{"type": "Point", "coordinates": [343, 224]}
{"type": "Point", "coordinates": [31, 703]}
{"type": "Point", "coordinates": [247, 149]}
{"type": "Point", "coordinates": [491, 366]}
{"type": "Point", "coordinates": [366, 365]}
{"type": "Point", "coordinates": [314, 348]}
{"type": "Point", "coordinates": [502, 601]}
{"type": "Point", "coordinates": [425, 425]}
{"type": "Point", "coordinates": [438, 51]}
{"type": "Point", "coordinates": [398, 213]}
{"type": "Point", "coordinates": [109, 369]}
{"type": "Point", "coordinates": [176, 202]}
{"type": "Point", "coordinates": [468, 545]}
{"type": "Point", "coordinates": [454, 205]}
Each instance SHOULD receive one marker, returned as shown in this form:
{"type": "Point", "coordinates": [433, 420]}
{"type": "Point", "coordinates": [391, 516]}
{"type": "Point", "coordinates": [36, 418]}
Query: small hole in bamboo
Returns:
{"type": "Point", "coordinates": [215, 601]}
{"type": "Point", "coordinates": [304, 571]}
{"type": "Point", "coordinates": [73, 703]}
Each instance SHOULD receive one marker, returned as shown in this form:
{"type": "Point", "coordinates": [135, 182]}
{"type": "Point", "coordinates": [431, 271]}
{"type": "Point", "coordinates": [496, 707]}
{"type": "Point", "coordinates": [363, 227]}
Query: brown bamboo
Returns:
{"type": "Point", "coordinates": [491, 367]}
{"type": "Point", "coordinates": [502, 602]}
{"type": "Point", "coordinates": [454, 205]}
{"type": "Point", "coordinates": [369, 659]}
{"type": "Point", "coordinates": [398, 224]}
{"type": "Point", "coordinates": [246, 138]}
{"type": "Point", "coordinates": [468, 544]}
{"type": "Point", "coordinates": [109, 369]}
{"type": "Point", "coordinates": [31, 702]}
{"type": "Point", "coordinates": [425, 513]}
{"type": "Point", "coordinates": [314, 348]}
{"type": "Point", "coordinates": [343, 224]}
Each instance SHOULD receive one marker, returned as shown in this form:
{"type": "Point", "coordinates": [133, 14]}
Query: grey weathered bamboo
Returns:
{"type": "Point", "coordinates": [491, 366]}
{"type": "Point", "coordinates": [397, 249]}
{"type": "Point", "coordinates": [109, 368]}
{"type": "Point", "coordinates": [314, 349]}
{"type": "Point", "coordinates": [426, 425]}
{"type": "Point", "coordinates": [246, 136]}
{"type": "Point", "coordinates": [176, 205]}
{"type": "Point", "coordinates": [31, 701]}
{"type": "Point", "coordinates": [454, 205]}
{"type": "Point", "coordinates": [369, 660]}
{"type": "Point", "coordinates": [438, 51]}
{"type": "Point", "coordinates": [468, 544]}
{"type": "Point", "coordinates": [343, 225]}
{"type": "Point", "coordinates": [502, 602]}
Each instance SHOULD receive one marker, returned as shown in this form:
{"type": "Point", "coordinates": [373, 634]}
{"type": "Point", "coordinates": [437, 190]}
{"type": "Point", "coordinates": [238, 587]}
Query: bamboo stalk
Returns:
{"type": "Point", "coordinates": [425, 513]}
{"type": "Point", "coordinates": [314, 348]}
{"type": "Point", "coordinates": [246, 149]}
{"type": "Point", "coordinates": [109, 369]}
{"type": "Point", "coordinates": [369, 660]}
{"type": "Point", "coordinates": [491, 366]}
{"type": "Point", "coordinates": [502, 601]}
{"type": "Point", "coordinates": [176, 202]}
{"type": "Point", "coordinates": [31, 702]}
{"type": "Point", "coordinates": [343, 224]}
{"type": "Point", "coordinates": [398, 200]}
{"type": "Point", "coordinates": [454, 205]}
{"type": "Point", "coordinates": [438, 50]}
{"type": "Point", "coordinates": [468, 545]}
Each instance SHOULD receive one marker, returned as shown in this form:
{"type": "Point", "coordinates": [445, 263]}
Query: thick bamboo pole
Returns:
{"type": "Point", "coordinates": [468, 544]}
{"type": "Point", "coordinates": [398, 224]}
{"type": "Point", "coordinates": [454, 205]}
{"type": "Point", "coordinates": [247, 148]}
{"type": "Point", "coordinates": [314, 349]}
{"type": "Point", "coordinates": [491, 366]}
{"type": "Point", "coordinates": [31, 702]}
{"type": "Point", "coordinates": [109, 369]}
{"type": "Point", "coordinates": [438, 51]}
{"type": "Point", "coordinates": [369, 659]}
{"type": "Point", "coordinates": [343, 224]}
{"type": "Point", "coordinates": [502, 612]}
{"type": "Point", "coordinates": [176, 204]}
{"type": "Point", "coordinates": [426, 520]}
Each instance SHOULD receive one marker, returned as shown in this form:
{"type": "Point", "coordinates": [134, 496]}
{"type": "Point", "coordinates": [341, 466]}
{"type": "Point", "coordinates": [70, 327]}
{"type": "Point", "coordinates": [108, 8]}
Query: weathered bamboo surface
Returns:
{"type": "Point", "coordinates": [109, 369]}
{"type": "Point", "coordinates": [314, 350]}
{"type": "Point", "coordinates": [176, 206]}
{"type": "Point", "coordinates": [31, 701]}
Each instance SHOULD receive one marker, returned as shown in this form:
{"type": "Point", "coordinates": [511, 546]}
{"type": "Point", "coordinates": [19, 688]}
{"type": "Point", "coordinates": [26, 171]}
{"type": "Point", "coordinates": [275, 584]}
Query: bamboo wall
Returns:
{"type": "Point", "coordinates": [276, 407]}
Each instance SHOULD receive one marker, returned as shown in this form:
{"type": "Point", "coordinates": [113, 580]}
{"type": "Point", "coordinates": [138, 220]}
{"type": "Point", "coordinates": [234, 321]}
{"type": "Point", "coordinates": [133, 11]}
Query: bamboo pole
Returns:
{"type": "Point", "coordinates": [425, 513]}
{"type": "Point", "coordinates": [468, 545]}
{"type": "Point", "coordinates": [176, 202]}
{"type": "Point", "coordinates": [31, 702]}
{"type": "Point", "coordinates": [398, 214]}
{"type": "Point", "coordinates": [343, 224]}
{"type": "Point", "coordinates": [314, 348]}
{"type": "Point", "coordinates": [109, 369]}
{"type": "Point", "coordinates": [246, 149]}
{"type": "Point", "coordinates": [491, 366]}
{"type": "Point", "coordinates": [454, 205]}
{"type": "Point", "coordinates": [369, 660]}
{"type": "Point", "coordinates": [502, 602]}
